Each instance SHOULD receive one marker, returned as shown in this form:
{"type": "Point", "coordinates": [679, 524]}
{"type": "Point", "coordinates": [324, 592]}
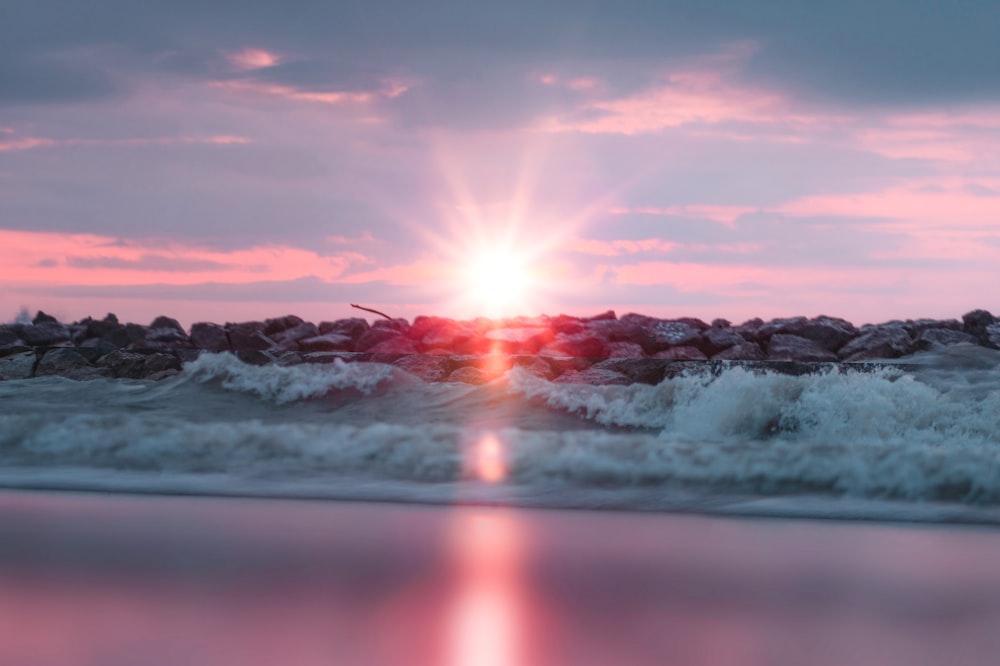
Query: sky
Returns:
{"type": "Point", "coordinates": [215, 160]}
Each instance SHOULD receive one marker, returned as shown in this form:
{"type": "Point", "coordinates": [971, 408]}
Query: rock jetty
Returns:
{"type": "Point", "coordinates": [603, 349]}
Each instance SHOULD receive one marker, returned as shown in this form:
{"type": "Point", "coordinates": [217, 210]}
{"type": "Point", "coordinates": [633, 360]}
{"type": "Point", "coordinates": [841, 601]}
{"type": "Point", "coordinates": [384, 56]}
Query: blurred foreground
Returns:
{"type": "Point", "coordinates": [105, 579]}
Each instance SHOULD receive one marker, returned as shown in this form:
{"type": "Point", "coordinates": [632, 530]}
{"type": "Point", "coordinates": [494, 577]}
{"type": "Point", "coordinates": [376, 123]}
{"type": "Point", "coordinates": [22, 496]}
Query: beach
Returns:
{"type": "Point", "coordinates": [92, 578]}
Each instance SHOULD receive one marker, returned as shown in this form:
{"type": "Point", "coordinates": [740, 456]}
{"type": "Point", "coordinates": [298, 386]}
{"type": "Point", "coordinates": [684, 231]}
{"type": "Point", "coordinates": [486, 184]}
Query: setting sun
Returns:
{"type": "Point", "coordinates": [497, 282]}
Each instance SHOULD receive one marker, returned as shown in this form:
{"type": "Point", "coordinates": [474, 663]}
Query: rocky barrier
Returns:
{"type": "Point", "coordinates": [604, 349]}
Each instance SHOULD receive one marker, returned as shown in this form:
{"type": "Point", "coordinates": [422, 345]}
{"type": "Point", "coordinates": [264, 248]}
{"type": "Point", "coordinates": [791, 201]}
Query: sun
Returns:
{"type": "Point", "coordinates": [497, 281]}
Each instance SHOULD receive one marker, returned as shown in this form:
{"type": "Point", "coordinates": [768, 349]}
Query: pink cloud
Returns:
{"type": "Point", "coordinates": [32, 142]}
{"type": "Point", "coordinates": [252, 58]}
{"type": "Point", "coordinates": [718, 213]}
{"type": "Point", "coordinates": [40, 258]}
{"type": "Point", "coordinates": [390, 89]}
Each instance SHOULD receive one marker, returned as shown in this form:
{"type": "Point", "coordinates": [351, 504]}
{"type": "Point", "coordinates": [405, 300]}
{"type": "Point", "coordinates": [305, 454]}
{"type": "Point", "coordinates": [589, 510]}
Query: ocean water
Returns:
{"type": "Point", "coordinates": [917, 442]}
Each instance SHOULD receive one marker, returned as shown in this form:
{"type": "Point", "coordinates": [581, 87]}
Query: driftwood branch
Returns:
{"type": "Point", "coordinates": [361, 307]}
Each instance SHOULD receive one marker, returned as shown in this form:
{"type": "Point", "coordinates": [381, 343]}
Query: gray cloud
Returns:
{"type": "Point", "coordinates": [149, 262]}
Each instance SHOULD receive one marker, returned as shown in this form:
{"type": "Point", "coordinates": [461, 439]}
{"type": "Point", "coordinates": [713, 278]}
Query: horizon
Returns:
{"type": "Point", "coordinates": [673, 159]}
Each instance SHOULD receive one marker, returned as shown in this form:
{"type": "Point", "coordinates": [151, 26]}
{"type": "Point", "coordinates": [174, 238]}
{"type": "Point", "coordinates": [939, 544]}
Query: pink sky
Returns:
{"type": "Point", "coordinates": [278, 176]}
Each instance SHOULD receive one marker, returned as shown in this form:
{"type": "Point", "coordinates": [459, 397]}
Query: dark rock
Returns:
{"type": "Point", "coordinates": [395, 345]}
{"type": "Point", "coordinates": [976, 322]}
{"type": "Point", "coordinates": [164, 338]}
{"type": "Point", "coordinates": [750, 329]}
{"type": "Point", "coordinates": [69, 363]}
{"type": "Point", "coordinates": [162, 322]}
{"type": "Point", "coordinates": [353, 327]}
{"type": "Point", "coordinates": [608, 315]}
{"type": "Point", "coordinates": [424, 324]}
{"type": "Point", "coordinates": [595, 377]}
{"type": "Point", "coordinates": [721, 323]}
{"type": "Point", "coordinates": [537, 366]}
{"type": "Point", "coordinates": [938, 338]}
{"type": "Point", "coordinates": [672, 334]}
{"type": "Point", "coordinates": [682, 353]}
{"type": "Point", "coordinates": [625, 350]}
{"type": "Point", "coordinates": [17, 366]}
{"type": "Point", "coordinates": [879, 342]}
{"type": "Point", "coordinates": [288, 337]}
{"type": "Point", "coordinates": [138, 365]}
{"type": "Point", "coordinates": [566, 324]}
{"type": "Point", "coordinates": [748, 351]}
{"type": "Point", "coordinates": [830, 333]}
{"type": "Point", "coordinates": [428, 368]}
{"type": "Point", "coordinates": [327, 342]}
{"type": "Point", "coordinates": [95, 348]}
{"type": "Point", "coordinates": [468, 375]}
{"type": "Point", "coordinates": [714, 340]}
{"type": "Point", "coordinates": [616, 330]}
{"type": "Point", "coordinates": [787, 347]}
{"type": "Point", "coordinates": [274, 326]}
{"type": "Point", "coordinates": [780, 325]}
{"type": "Point", "coordinates": [992, 336]}
{"type": "Point", "coordinates": [520, 340]}
{"type": "Point", "coordinates": [248, 336]}
{"type": "Point", "coordinates": [256, 356]}
{"type": "Point", "coordinates": [212, 337]}
{"type": "Point", "coordinates": [124, 336]}
{"type": "Point", "coordinates": [918, 326]}
{"type": "Point", "coordinates": [583, 345]}
{"type": "Point", "coordinates": [89, 328]}
{"type": "Point", "coordinates": [45, 333]}
{"type": "Point", "coordinates": [397, 324]}
{"type": "Point", "coordinates": [377, 335]}
{"type": "Point", "coordinates": [42, 318]}
{"type": "Point", "coordinates": [693, 322]}
{"type": "Point", "coordinates": [447, 335]}
{"type": "Point", "coordinates": [638, 370]}
{"type": "Point", "coordinates": [10, 340]}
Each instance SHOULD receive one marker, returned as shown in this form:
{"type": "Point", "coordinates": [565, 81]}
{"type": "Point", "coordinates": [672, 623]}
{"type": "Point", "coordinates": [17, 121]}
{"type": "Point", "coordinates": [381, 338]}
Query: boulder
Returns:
{"type": "Point", "coordinates": [289, 338]}
{"type": "Point", "coordinates": [377, 335]}
{"type": "Point", "coordinates": [398, 344]}
{"type": "Point", "coordinates": [667, 334]}
{"type": "Point", "coordinates": [537, 366]}
{"type": "Point", "coordinates": [625, 350]}
{"type": "Point", "coordinates": [566, 324]}
{"type": "Point", "coordinates": [583, 345]}
{"type": "Point", "coordinates": [10, 341]}
{"type": "Point", "coordinates": [616, 330]}
{"type": "Point", "coordinates": [352, 327]}
{"type": "Point", "coordinates": [166, 323]}
{"type": "Point", "coordinates": [45, 334]}
{"type": "Point", "coordinates": [682, 353]}
{"type": "Point", "coordinates": [748, 351]}
{"type": "Point", "coordinates": [125, 336]}
{"type": "Point", "coordinates": [594, 377]}
{"type": "Point", "coordinates": [519, 340]}
{"type": "Point", "coordinates": [248, 336]}
{"type": "Point", "coordinates": [42, 318]}
{"type": "Point", "coordinates": [992, 336]}
{"type": "Point", "coordinates": [69, 363]}
{"type": "Point", "coordinates": [938, 338]}
{"type": "Point", "coordinates": [17, 366]}
{"type": "Point", "coordinates": [638, 370]}
{"type": "Point", "coordinates": [428, 368]}
{"type": "Point", "coordinates": [95, 348]}
{"type": "Point", "coordinates": [279, 324]}
{"type": "Point", "coordinates": [976, 322]}
{"type": "Point", "coordinates": [211, 337]}
{"type": "Point", "coordinates": [715, 339]}
{"type": "Point", "coordinates": [327, 342]}
{"type": "Point", "coordinates": [137, 365]}
{"type": "Point", "coordinates": [93, 328]}
{"type": "Point", "coordinates": [878, 342]}
{"type": "Point", "coordinates": [788, 347]}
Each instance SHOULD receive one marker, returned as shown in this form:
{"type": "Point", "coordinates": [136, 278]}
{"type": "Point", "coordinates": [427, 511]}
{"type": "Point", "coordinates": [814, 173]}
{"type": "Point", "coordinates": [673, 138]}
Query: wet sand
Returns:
{"type": "Point", "coordinates": [121, 579]}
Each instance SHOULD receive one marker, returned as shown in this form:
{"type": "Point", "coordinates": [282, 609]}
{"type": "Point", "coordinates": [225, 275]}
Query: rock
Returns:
{"type": "Point", "coordinates": [448, 335]}
{"type": "Point", "coordinates": [395, 345]}
{"type": "Point", "coordinates": [682, 353]}
{"type": "Point", "coordinates": [938, 338]}
{"type": "Point", "coordinates": [17, 366]}
{"type": "Point", "coordinates": [916, 327]}
{"type": "Point", "coordinates": [10, 341]}
{"type": "Point", "coordinates": [667, 334]}
{"type": "Point", "coordinates": [42, 318]}
{"type": "Point", "coordinates": [94, 348]}
{"type": "Point", "coordinates": [787, 347]}
{"type": "Point", "coordinates": [714, 340]}
{"type": "Point", "coordinates": [125, 336]}
{"type": "Point", "coordinates": [162, 322]}
{"type": "Point", "coordinates": [211, 337]}
{"type": "Point", "coordinates": [521, 340]}
{"type": "Point", "coordinates": [878, 342]}
{"type": "Point", "coordinates": [327, 342]}
{"type": "Point", "coordinates": [584, 345]}
{"type": "Point", "coordinates": [594, 377]}
{"type": "Point", "coordinates": [279, 324]}
{"type": "Point", "coordinates": [45, 334]}
{"type": "Point", "coordinates": [468, 375]}
{"type": "Point", "coordinates": [976, 322]}
{"type": "Point", "coordinates": [830, 333]}
{"type": "Point", "coordinates": [164, 337]}
{"type": "Point", "coordinates": [537, 366]}
{"type": "Point", "coordinates": [137, 365]}
{"type": "Point", "coordinates": [428, 368]}
{"type": "Point", "coordinates": [92, 328]}
{"type": "Point", "coordinates": [748, 351]}
{"type": "Point", "coordinates": [248, 336]}
{"type": "Point", "coordinates": [607, 315]}
{"type": "Point", "coordinates": [377, 335]}
{"type": "Point", "coordinates": [353, 327]}
{"type": "Point", "coordinates": [625, 350]}
{"type": "Point", "coordinates": [566, 324]}
{"type": "Point", "coordinates": [638, 370]}
{"type": "Point", "coordinates": [614, 330]}
{"type": "Point", "coordinates": [69, 363]}
{"type": "Point", "coordinates": [289, 337]}
{"type": "Point", "coordinates": [992, 335]}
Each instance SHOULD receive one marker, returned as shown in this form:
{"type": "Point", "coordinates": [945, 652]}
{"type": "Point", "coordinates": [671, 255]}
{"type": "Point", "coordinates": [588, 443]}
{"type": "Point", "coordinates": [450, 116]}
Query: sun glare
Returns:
{"type": "Point", "coordinates": [497, 282]}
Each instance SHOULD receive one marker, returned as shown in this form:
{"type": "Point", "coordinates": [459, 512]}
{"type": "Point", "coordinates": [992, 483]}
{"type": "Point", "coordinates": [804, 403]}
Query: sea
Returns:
{"type": "Point", "coordinates": [914, 441]}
